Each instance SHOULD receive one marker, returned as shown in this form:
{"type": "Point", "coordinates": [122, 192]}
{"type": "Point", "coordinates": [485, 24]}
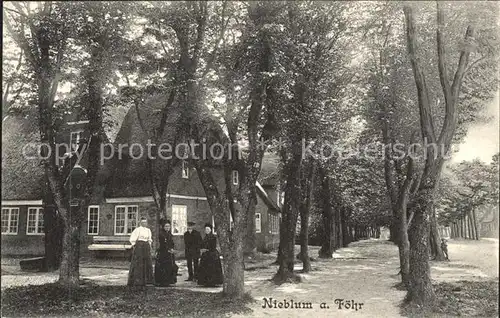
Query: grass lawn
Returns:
{"type": "Point", "coordinates": [116, 301]}
{"type": "Point", "coordinates": [463, 298]}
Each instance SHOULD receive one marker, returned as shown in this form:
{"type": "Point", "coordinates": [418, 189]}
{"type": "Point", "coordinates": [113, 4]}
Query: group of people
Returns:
{"type": "Point", "coordinates": [203, 259]}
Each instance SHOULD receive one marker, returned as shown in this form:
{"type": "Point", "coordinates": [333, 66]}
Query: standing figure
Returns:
{"type": "Point", "coordinates": [141, 266]}
{"type": "Point", "coordinates": [192, 245]}
{"type": "Point", "coordinates": [165, 267]}
{"type": "Point", "coordinates": [444, 247]}
{"type": "Point", "coordinates": [210, 271]}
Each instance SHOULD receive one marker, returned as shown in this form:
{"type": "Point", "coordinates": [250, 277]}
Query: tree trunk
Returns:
{"type": "Point", "coordinates": [470, 227]}
{"type": "Point", "coordinates": [289, 218]}
{"type": "Point", "coordinates": [404, 245]}
{"type": "Point", "coordinates": [250, 244]}
{"type": "Point", "coordinates": [161, 212]}
{"type": "Point", "coordinates": [436, 237]}
{"type": "Point", "coordinates": [467, 227]}
{"type": "Point", "coordinates": [70, 263]}
{"type": "Point", "coordinates": [420, 290]}
{"type": "Point", "coordinates": [394, 230]}
{"type": "Point", "coordinates": [304, 239]}
{"type": "Point", "coordinates": [280, 246]}
{"type": "Point", "coordinates": [231, 243]}
{"type": "Point", "coordinates": [345, 229]}
{"type": "Point", "coordinates": [234, 274]}
{"type": "Point", "coordinates": [328, 241]}
{"type": "Point", "coordinates": [53, 228]}
{"type": "Point", "coordinates": [287, 242]}
{"type": "Point", "coordinates": [474, 222]}
{"type": "Point", "coordinates": [338, 227]}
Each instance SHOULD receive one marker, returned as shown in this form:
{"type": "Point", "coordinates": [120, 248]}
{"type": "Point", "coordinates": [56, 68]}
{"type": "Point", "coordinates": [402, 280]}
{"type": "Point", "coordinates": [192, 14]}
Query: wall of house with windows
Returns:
{"type": "Point", "coordinates": [121, 218]}
{"type": "Point", "coordinates": [266, 227]}
{"type": "Point", "coordinates": [22, 230]}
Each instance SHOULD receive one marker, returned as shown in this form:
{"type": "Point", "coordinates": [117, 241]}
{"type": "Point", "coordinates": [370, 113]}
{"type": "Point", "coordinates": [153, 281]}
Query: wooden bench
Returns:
{"type": "Point", "coordinates": [110, 243]}
{"type": "Point", "coordinates": [32, 264]}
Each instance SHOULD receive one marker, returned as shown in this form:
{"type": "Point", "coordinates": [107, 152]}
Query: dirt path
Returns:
{"type": "Point", "coordinates": [364, 273]}
{"type": "Point", "coordinates": [469, 260]}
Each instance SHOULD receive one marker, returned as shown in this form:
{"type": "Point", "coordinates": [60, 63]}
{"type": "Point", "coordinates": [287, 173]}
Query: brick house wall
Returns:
{"type": "Point", "coordinates": [22, 243]}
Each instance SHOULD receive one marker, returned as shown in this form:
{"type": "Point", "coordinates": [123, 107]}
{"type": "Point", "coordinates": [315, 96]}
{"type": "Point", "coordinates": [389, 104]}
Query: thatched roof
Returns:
{"type": "Point", "coordinates": [129, 177]}
{"type": "Point", "coordinates": [22, 178]}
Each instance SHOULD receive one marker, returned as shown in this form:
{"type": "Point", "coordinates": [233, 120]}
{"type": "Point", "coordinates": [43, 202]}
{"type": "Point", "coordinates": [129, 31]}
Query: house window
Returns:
{"type": "Point", "coordinates": [275, 224]}
{"type": "Point", "coordinates": [75, 139]}
{"type": "Point", "coordinates": [235, 177]}
{"type": "Point", "coordinates": [257, 223]}
{"type": "Point", "coordinates": [185, 170]}
{"type": "Point", "coordinates": [10, 220]}
{"type": "Point", "coordinates": [125, 219]}
{"type": "Point", "coordinates": [179, 219]}
{"type": "Point", "coordinates": [270, 219]}
{"type": "Point", "coordinates": [35, 221]}
{"type": "Point", "coordinates": [93, 226]}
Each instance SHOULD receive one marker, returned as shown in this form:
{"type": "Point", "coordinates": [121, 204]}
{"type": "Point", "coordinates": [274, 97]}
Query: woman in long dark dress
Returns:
{"type": "Point", "coordinates": [210, 268]}
{"type": "Point", "coordinates": [141, 267]}
{"type": "Point", "coordinates": [165, 267]}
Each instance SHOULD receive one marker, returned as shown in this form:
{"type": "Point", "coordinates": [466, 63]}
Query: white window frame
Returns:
{"type": "Point", "coordinates": [39, 213]}
{"type": "Point", "coordinates": [184, 170]}
{"type": "Point", "coordinates": [258, 225]}
{"type": "Point", "coordinates": [79, 134]}
{"type": "Point", "coordinates": [231, 221]}
{"type": "Point", "coordinates": [126, 218]}
{"type": "Point", "coordinates": [270, 222]}
{"type": "Point", "coordinates": [235, 177]}
{"type": "Point", "coordinates": [88, 219]}
{"type": "Point", "coordinates": [213, 226]}
{"type": "Point", "coordinates": [183, 227]}
{"type": "Point", "coordinates": [10, 220]}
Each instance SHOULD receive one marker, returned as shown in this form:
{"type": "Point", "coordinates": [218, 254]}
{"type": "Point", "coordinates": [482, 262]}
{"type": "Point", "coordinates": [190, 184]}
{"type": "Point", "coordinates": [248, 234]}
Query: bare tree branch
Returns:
{"type": "Point", "coordinates": [426, 122]}
{"type": "Point", "coordinates": [450, 93]}
{"type": "Point", "coordinates": [211, 58]}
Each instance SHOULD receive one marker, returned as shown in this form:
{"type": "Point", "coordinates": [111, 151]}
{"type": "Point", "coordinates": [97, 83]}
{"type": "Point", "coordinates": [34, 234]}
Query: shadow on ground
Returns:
{"type": "Point", "coordinates": [116, 301]}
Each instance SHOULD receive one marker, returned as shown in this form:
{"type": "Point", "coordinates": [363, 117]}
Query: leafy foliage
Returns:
{"type": "Point", "coordinates": [466, 187]}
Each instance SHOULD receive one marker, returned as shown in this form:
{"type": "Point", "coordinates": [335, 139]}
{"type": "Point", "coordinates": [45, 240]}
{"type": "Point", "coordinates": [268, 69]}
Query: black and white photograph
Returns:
{"type": "Point", "coordinates": [250, 159]}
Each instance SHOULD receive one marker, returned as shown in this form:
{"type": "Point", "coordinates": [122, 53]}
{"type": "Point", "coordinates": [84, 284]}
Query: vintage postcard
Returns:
{"type": "Point", "coordinates": [250, 158]}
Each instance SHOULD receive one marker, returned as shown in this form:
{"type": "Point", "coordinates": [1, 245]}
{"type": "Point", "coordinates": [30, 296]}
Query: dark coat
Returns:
{"type": "Point", "coordinates": [166, 241]}
{"type": "Point", "coordinates": [210, 270]}
{"type": "Point", "coordinates": [210, 242]}
{"type": "Point", "coordinates": [192, 244]}
{"type": "Point", "coordinates": [165, 267]}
